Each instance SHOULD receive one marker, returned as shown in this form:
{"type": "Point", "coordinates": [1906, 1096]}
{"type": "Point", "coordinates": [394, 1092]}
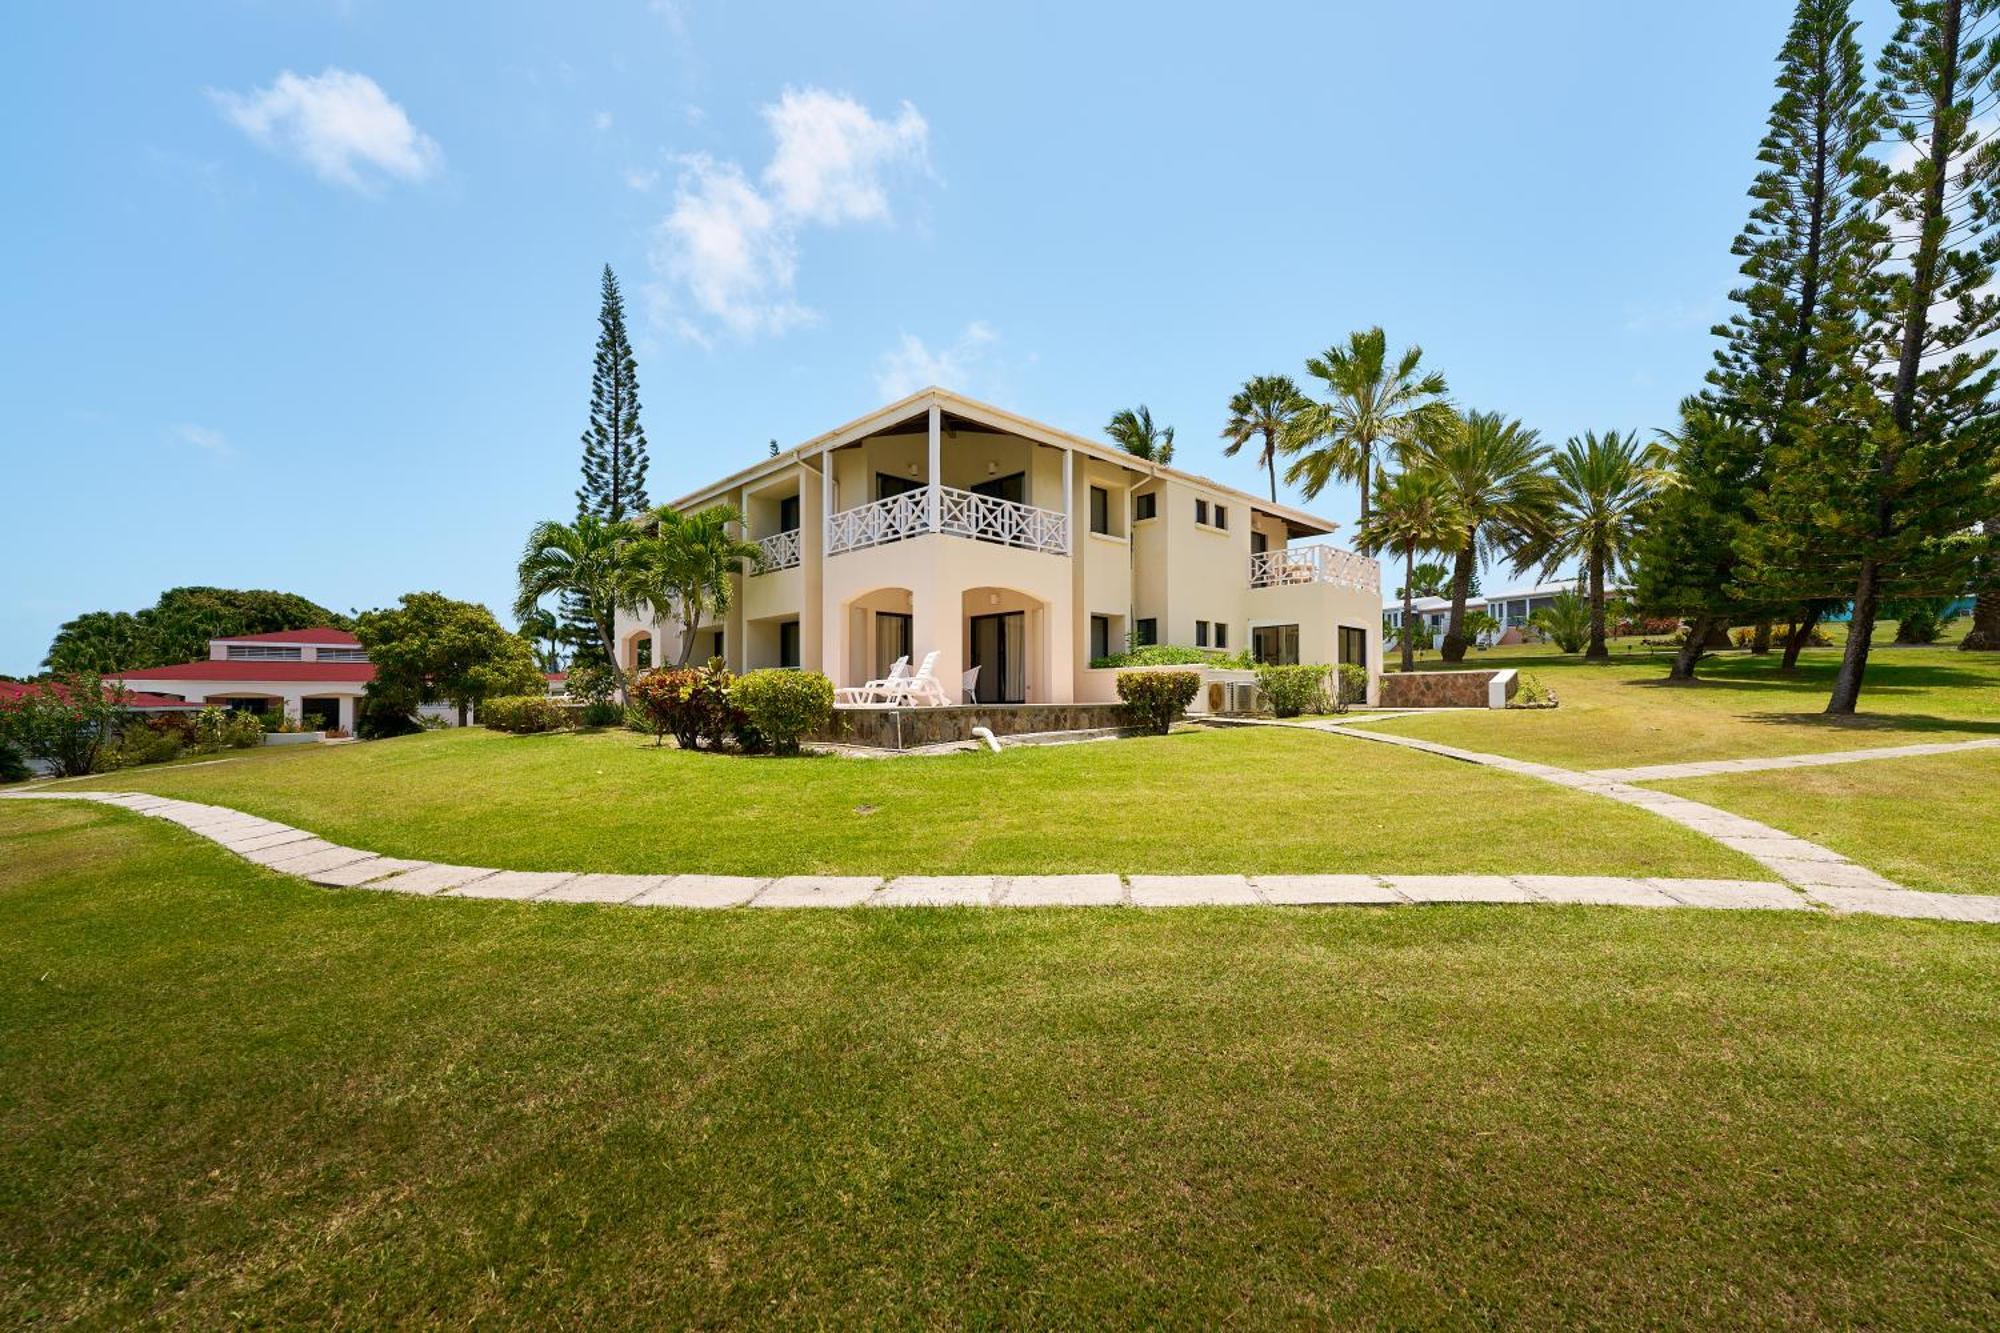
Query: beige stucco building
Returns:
{"type": "Point", "coordinates": [941, 524]}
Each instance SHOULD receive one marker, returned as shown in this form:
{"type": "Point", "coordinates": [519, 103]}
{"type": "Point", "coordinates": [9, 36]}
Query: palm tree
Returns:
{"type": "Point", "coordinates": [1415, 510]}
{"type": "Point", "coordinates": [1264, 406]}
{"type": "Point", "coordinates": [681, 567]}
{"type": "Point", "coordinates": [1499, 470]}
{"type": "Point", "coordinates": [1369, 403]}
{"type": "Point", "coordinates": [1135, 434]}
{"type": "Point", "coordinates": [580, 559]}
{"type": "Point", "coordinates": [1602, 485]}
{"type": "Point", "coordinates": [541, 628]}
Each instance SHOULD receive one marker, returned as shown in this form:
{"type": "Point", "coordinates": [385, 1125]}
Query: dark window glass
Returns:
{"type": "Point", "coordinates": [1149, 632]}
{"type": "Point", "coordinates": [1201, 634]}
{"type": "Point", "coordinates": [1201, 511]}
{"type": "Point", "coordinates": [1278, 644]}
{"type": "Point", "coordinates": [1221, 635]}
{"type": "Point", "coordinates": [1100, 509]}
{"type": "Point", "coordinates": [1259, 543]}
{"type": "Point", "coordinates": [788, 514]}
{"type": "Point", "coordinates": [1354, 645]}
{"type": "Point", "coordinates": [1100, 637]}
{"type": "Point", "coordinates": [1146, 506]}
{"type": "Point", "coordinates": [1222, 516]}
{"type": "Point", "coordinates": [788, 643]}
{"type": "Point", "coordinates": [888, 484]}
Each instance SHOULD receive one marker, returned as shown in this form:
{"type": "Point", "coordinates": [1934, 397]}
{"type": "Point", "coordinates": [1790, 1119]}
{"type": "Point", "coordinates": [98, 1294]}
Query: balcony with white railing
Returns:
{"type": "Point", "coordinates": [1314, 564]}
{"type": "Point", "coordinates": [959, 514]}
{"type": "Point", "coordinates": [780, 550]}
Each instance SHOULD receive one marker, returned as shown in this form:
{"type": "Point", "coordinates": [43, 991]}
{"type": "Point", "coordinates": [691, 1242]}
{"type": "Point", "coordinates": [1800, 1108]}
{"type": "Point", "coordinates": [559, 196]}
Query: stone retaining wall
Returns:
{"type": "Point", "coordinates": [1446, 689]}
{"type": "Point", "coordinates": [906, 728]}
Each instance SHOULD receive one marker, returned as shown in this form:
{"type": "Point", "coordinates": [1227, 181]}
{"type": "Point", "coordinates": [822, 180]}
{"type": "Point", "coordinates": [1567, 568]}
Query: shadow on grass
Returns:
{"type": "Point", "coordinates": [1878, 722]}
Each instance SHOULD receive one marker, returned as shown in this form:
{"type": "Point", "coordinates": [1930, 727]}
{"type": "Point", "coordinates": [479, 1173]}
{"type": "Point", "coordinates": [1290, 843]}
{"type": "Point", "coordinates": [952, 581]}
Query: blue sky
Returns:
{"type": "Point", "coordinates": [303, 295]}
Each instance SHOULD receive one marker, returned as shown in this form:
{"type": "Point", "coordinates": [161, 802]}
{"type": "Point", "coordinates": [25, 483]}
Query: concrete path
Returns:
{"type": "Point", "coordinates": [1712, 767]}
{"type": "Point", "coordinates": [294, 851]}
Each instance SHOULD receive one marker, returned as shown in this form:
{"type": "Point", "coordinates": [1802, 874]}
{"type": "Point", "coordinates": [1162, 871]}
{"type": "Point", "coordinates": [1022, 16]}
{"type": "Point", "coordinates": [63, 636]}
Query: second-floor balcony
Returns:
{"type": "Point", "coordinates": [952, 512]}
{"type": "Point", "coordinates": [780, 550]}
{"type": "Point", "coordinates": [1314, 564]}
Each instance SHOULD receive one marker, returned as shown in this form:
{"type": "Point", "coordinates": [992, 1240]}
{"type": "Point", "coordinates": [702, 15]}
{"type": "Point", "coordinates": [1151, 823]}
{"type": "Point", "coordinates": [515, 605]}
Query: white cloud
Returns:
{"type": "Point", "coordinates": [339, 123]}
{"type": "Point", "coordinates": [832, 155]}
{"type": "Point", "coordinates": [601, 121]}
{"type": "Point", "coordinates": [210, 441]}
{"type": "Point", "coordinates": [911, 365]}
{"type": "Point", "coordinates": [730, 246]}
{"type": "Point", "coordinates": [641, 179]}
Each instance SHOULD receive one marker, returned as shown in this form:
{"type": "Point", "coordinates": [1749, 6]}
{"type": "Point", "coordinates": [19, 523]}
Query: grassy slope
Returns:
{"type": "Point", "coordinates": [1927, 823]}
{"type": "Point", "coordinates": [225, 1097]}
{"type": "Point", "coordinates": [1218, 801]}
{"type": "Point", "coordinates": [1624, 713]}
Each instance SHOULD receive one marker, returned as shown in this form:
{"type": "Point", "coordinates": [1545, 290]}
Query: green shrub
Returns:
{"type": "Point", "coordinates": [784, 706]}
{"type": "Point", "coordinates": [1531, 693]}
{"type": "Point", "coordinates": [1156, 698]}
{"type": "Point", "coordinates": [13, 765]}
{"type": "Point", "coordinates": [1566, 619]}
{"type": "Point", "coordinates": [1919, 619]}
{"type": "Point", "coordinates": [1172, 654]}
{"type": "Point", "coordinates": [524, 714]}
{"type": "Point", "coordinates": [1293, 689]}
{"type": "Point", "coordinates": [67, 721]}
{"type": "Point", "coordinates": [243, 731]}
{"type": "Point", "coordinates": [142, 745]}
{"type": "Point", "coordinates": [1353, 687]}
{"type": "Point", "coordinates": [219, 729]}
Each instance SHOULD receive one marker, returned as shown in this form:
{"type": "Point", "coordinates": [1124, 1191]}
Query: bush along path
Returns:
{"type": "Point", "coordinates": [293, 851]}
{"type": "Point", "coordinates": [1825, 877]}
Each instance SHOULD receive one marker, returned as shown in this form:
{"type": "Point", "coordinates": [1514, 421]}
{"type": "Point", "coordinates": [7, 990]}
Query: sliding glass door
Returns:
{"type": "Point", "coordinates": [1000, 651]}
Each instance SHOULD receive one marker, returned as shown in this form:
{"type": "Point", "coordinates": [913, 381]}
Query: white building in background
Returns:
{"type": "Point", "coordinates": [1512, 609]}
{"type": "Point", "coordinates": [1018, 554]}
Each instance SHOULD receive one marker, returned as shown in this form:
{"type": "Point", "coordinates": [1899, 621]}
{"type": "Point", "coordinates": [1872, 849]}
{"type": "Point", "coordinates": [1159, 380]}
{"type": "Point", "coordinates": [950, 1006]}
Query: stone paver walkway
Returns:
{"type": "Point", "coordinates": [1712, 767]}
{"type": "Point", "coordinates": [296, 852]}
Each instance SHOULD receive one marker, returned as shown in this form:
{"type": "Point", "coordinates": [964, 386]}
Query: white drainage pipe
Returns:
{"type": "Point", "coordinates": [986, 734]}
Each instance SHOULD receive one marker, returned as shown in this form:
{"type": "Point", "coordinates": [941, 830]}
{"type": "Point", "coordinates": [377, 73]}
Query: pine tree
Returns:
{"type": "Point", "coordinates": [1898, 492]}
{"type": "Point", "coordinates": [1805, 253]}
{"type": "Point", "coordinates": [614, 446]}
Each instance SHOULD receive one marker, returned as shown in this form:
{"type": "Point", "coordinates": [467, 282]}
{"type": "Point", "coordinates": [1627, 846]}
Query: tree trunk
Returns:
{"type": "Point", "coordinates": [1801, 635]}
{"type": "Point", "coordinates": [1461, 588]}
{"type": "Point", "coordinates": [1760, 638]}
{"type": "Point", "coordinates": [1984, 636]}
{"type": "Point", "coordinates": [1860, 631]}
{"type": "Point", "coordinates": [1692, 648]}
{"type": "Point", "coordinates": [1597, 651]}
{"type": "Point", "coordinates": [1367, 458]}
{"type": "Point", "coordinates": [1271, 461]}
{"type": "Point", "coordinates": [607, 639]}
{"type": "Point", "coordinates": [1409, 577]}
{"type": "Point", "coordinates": [1718, 633]}
{"type": "Point", "coordinates": [462, 710]}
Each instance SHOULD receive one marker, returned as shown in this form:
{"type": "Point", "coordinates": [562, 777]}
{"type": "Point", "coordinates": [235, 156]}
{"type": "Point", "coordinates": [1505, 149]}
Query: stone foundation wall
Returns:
{"type": "Point", "coordinates": [1442, 689]}
{"type": "Point", "coordinates": [906, 728]}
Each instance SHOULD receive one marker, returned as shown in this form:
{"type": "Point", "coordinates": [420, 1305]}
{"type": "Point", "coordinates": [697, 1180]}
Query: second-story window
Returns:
{"type": "Point", "coordinates": [1222, 516]}
{"type": "Point", "coordinates": [1201, 511]}
{"type": "Point", "coordinates": [1146, 506]}
{"type": "Point", "coordinates": [1221, 634]}
{"type": "Point", "coordinates": [788, 514]}
{"type": "Point", "coordinates": [1201, 634]}
{"type": "Point", "coordinates": [1100, 510]}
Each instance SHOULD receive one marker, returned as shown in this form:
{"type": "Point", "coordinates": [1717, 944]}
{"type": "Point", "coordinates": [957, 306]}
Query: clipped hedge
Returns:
{"type": "Point", "coordinates": [1156, 698]}
{"type": "Point", "coordinates": [1294, 688]}
{"type": "Point", "coordinates": [524, 713]}
{"type": "Point", "coordinates": [784, 706]}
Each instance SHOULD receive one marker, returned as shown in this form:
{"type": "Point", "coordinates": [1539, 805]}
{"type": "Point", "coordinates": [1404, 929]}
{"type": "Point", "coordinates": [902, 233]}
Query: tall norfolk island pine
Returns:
{"type": "Point", "coordinates": [1806, 253]}
{"type": "Point", "coordinates": [1900, 471]}
{"type": "Point", "coordinates": [614, 445]}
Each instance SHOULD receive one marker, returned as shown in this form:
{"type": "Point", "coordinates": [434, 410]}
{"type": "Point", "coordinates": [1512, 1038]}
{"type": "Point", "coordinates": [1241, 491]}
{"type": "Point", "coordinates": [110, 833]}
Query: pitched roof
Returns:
{"type": "Point", "coordinates": [326, 634]}
{"type": "Point", "coordinates": [14, 689]}
{"type": "Point", "coordinates": [254, 672]}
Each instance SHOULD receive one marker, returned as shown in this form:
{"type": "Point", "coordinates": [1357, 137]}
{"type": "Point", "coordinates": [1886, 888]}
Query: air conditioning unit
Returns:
{"type": "Point", "coordinates": [1242, 696]}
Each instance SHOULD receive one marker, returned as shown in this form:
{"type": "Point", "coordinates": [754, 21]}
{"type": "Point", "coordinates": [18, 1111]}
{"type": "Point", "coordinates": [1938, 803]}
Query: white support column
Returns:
{"type": "Point", "coordinates": [1069, 494]}
{"type": "Point", "coordinates": [825, 503]}
{"type": "Point", "coordinates": [934, 501]}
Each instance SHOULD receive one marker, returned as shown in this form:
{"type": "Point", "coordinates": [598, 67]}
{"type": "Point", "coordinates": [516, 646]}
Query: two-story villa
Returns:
{"type": "Point", "coordinates": [1016, 551]}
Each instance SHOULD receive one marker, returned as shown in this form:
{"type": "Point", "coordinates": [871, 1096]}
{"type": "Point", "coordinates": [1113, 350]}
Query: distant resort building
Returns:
{"type": "Point", "coordinates": [1512, 609]}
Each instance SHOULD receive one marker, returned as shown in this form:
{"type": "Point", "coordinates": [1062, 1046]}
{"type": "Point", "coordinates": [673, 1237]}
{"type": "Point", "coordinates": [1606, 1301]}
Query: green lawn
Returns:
{"type": "Point", "coordinates": [1927, 823]}
{"type": "Point", "coordinates": [227, 1097]}
{"type": "Point", "coordinates": [1625, 713]}
{"type": "Point", "coordinates": [1249, 801]}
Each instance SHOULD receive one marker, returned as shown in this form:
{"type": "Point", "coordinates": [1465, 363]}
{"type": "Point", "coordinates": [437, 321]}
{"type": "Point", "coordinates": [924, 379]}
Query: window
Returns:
{"type": "Point", "coordinates": [1276, 644]}
{"type": "Point", "coordinates": [1259, 543]}
{"type": "Point", "coordinates": [1221, 634]}
{"type": "Point", "coordinates": [1100, 637]}
{"type": "Point", "coordinates": [1100, 510]}
{"type": "Point", "coordinates": [1148, 632]}
{"type": "Point", "coordinates": [1354, 646]}
{"type": "Point", "coordinates": [262, 652]}
{"type": "Point", "coordinates": [1201, 511]}
{"type": "Point", "coordinates": [1146, 506]}
{"type": "Point", "coordinates": [642, 653]}
{"type": "Point", "coordinates": [1222, 516]}
{"type": "Point", "coordinates": [788, 643]}
{"type": "Point", "coordinates": [1201, 634]}
{"type": "Point", "coordinates": [342, 654]}
{"type": "Point", "coordinates": [788, 514]}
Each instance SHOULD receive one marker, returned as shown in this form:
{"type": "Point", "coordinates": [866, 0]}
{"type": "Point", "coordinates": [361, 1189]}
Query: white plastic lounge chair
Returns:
{"type": "Point", "coordinates": [921, 690]}
{"type": "Point", "coordinates": [871, 692]}
{"type": "Point", "coordinates": [969, 683]}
